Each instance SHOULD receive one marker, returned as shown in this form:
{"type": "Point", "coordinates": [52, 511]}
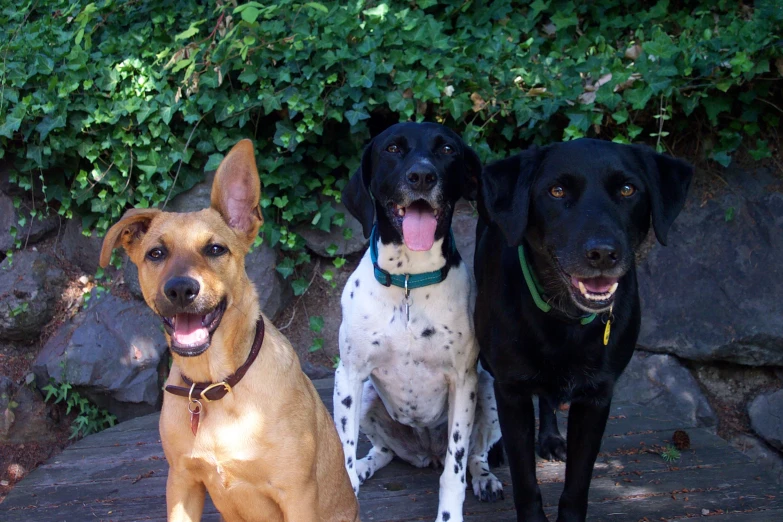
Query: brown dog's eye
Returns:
{"type": "Point", "coordinates": [394, 149]}
{"type": "Point", "coordinates": [557, 192]}
{"type": "Point", "coordinates": [447, 149]}
{"type": "Point", "coordinates": [627, 190]}
{"type": "Point", "coordinates": [215, 250]}
{"type": "Point", "coordinates": [156, 254]}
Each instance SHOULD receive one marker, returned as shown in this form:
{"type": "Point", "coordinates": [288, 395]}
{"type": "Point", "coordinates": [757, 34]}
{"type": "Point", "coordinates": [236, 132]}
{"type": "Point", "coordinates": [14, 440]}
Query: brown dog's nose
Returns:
{"type": "Point", "coordinates": [181, 291]}
{"type": "Point", "coordinates": [602, 254]}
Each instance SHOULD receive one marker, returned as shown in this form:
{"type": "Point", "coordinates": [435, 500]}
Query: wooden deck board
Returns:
{"type": "Point", "coordinates": [120, 475]}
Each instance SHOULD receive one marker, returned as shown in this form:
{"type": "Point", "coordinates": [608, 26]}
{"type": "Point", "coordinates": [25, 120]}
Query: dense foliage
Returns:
{"type": "Point", "coordinates": [120, 103]}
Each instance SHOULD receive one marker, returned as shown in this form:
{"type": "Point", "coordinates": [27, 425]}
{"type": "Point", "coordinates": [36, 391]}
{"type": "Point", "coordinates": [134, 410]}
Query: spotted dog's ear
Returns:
{"type": "Point", "coordinates": [356, 194]}
{"type": "Point", "coordinates": [667, 180]}
{"type": "Point", "coordinates": [505, 191]}
{"type": "Point", "coordinates": [470, 183]}
{"type": "Point", "coordinates": [127, 232]}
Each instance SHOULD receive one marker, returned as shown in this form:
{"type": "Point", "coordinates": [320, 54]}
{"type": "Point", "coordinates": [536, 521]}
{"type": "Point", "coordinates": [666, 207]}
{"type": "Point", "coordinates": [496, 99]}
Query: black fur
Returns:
{"type": "Point", "coordinates": [553, 355]}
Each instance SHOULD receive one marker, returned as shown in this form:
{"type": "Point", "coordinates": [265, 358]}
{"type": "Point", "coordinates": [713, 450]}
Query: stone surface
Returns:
{"type": "Point", "coordinates": [715, 292]}
{"type": "Point", "coordinates": [735, 384]}
{"type": "Point", "coordinates": [33, 230]}
{"type": "Point", "coordinates": [111, 349]}
{"type": "Point", "coordinates": [768, 459]}
{"type": "Point", "coordinates": [30, 285]}
{"type": "Point", "coordinates": [661, 381]}
{"type": "Point", "coordinates": [83, 251]}
{"type": "Point", "coordinates": [130, 277]}
{"type": "Point", "coordinates": [24, 417]}
{"type": "Point", "coordinates": [194, 199]}
{"type": "Point", "coordinates": [463, 223]}
{"type": "Point", "coordinates": [766, 418]}
{"type": "Point", "coordinates": [319, 241]}
{"type": "Point", "coordinates": [274, 292]}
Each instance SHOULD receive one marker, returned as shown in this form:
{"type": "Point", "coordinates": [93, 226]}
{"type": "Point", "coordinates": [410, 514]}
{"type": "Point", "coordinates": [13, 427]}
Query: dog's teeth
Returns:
{"type": "Point", "coordinates": [435, 212]}
{"type": "Point", "coordinates": [401, 212]}
{"type": "Point", "coordinates": [614, 288]}
{"type": "Point", "coordinates": [583, 289]}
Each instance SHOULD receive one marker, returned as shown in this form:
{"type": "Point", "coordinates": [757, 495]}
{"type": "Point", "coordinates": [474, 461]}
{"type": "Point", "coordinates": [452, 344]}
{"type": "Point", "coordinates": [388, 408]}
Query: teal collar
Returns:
{"type": "Point", "coordinates": [536, 290]}
{"type": "Point", "coordinates": [406, 281]}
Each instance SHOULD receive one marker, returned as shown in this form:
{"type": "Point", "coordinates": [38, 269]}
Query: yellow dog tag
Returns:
{"type": "Point", "coordinates": [608, 329]}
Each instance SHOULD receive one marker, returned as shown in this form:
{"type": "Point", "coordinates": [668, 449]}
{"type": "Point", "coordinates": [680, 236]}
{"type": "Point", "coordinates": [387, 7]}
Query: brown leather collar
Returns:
{"type": "Point", "coordinates": [208, 391]}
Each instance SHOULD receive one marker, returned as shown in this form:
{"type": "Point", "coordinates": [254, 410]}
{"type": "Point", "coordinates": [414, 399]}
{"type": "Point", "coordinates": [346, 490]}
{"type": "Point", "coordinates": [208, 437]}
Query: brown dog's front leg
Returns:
{"type": "Point", "coordinates": [184, 497]}
{"type": "Point", "coordinates": [301, 504]}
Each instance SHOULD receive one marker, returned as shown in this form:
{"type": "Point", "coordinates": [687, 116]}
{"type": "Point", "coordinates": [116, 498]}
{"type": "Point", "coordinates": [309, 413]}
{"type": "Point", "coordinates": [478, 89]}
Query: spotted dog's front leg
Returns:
{"type": "Point", "coordinates": [462, 404]}
{"type": "Point", "coordinates": [347, 402]}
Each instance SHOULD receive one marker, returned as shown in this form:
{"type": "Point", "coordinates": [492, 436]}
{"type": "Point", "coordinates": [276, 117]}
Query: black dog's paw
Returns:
{"type": "Point", "coordinates": [552, 447]}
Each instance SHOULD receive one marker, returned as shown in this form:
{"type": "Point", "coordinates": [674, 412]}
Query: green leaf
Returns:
{"type": "Point", "coordinates": [250, 15]}
{"type": "Point", "coordinates": [299, 286]}
{"type": "Point", "coordinates": [317, 6]}
{"type": "Point", "coordinates": [190, 31]}
{"type": "Point", "coordinates": [213, 162]}
{"type": "Point", "coordinates": [318, 343]}
{"type": "Point", "coordinates": [316, 323]}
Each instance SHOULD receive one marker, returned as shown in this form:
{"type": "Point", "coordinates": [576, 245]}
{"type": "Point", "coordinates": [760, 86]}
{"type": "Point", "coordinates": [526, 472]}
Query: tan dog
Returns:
{"type": "Point", "coordinates": [262, 444]}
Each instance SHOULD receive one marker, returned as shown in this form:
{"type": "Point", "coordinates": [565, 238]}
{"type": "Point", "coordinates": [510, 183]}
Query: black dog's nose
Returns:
{"type": "Point", "coordinates": [602, 254]}
{"type": "Point", "coordinates": [422, 178]}
{"type": "Point", "coordinates": [181, 291]}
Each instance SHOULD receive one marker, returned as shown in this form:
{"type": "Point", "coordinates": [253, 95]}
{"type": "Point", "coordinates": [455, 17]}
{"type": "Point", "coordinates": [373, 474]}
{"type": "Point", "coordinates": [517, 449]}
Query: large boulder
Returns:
{"type": "Point", "coordinates": [34, 229]}
{"type": "Point", "coordinates": [319, 241]}
{"type": "Point", "coordinates": [274, 292]}
{"type": "Point", "coordinates": [714, 292]}
{"type": "Point", "coordinates": [766, 418]}
{"type": "Point", "coordinates": [463, 223]}
{"type": "Point", "coordinates": [661, 381]}
{"type": "Point", "coordinates": [24, 417]}
{"type": "Point", "coordinates": [30, 285]}
{"type": "Point", "coordinates": [84, 251]}
{"type": "Point", "coordinates": [111, 351]}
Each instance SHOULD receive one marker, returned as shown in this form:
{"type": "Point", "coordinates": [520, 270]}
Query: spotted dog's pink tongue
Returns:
{"type": "Point", "coordinates": [418, 226]}
{"type": "Point", "coordinates": [188, 330]}
{"type": "Point", "coordinates": [595, 285]}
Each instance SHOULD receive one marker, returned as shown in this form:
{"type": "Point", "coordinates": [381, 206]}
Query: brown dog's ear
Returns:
{"type": "Point", "coordinates": [236, 190]}
{"type": "Point", "coordinates": [128, 230]}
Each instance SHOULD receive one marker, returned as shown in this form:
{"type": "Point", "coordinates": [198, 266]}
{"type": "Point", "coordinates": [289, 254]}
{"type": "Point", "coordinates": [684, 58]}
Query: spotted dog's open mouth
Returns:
{"type": "Point", "coordinates": [418, 222]}
{"type": "Point", "coordinates": [594, 293]}
{"type": "Point", "coordinates": [191, 334]}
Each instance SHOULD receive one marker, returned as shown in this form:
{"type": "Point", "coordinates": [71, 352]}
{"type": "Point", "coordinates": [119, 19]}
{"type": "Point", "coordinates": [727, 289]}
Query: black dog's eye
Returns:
{"type": "Point", "coordinates": [156, 254]}
{"type": "Point", "coordinates": [215, 250]}
{"type": "Point", "coordinates": [447, 149]}
{"type": "Point", "coordinates": [394, 149]}
{"type": "Point", "coordinates": [557, 191]}
{"type": "Point", "coordinates": [627, 190]}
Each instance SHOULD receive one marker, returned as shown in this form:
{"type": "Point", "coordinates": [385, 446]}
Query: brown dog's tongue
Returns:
{"type": "Point", "coordinates": [188, 330]}
{"type": "Point", "coordinates": [418, 227]}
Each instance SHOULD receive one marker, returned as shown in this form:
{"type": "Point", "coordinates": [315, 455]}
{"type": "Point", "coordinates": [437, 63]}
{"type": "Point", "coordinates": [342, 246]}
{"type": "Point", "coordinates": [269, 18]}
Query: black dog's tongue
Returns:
{"type": "Point", "coordinates": [418, 226]}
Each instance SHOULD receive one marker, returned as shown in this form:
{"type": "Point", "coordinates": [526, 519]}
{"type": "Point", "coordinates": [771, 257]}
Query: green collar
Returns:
{"type": "Point", "coordinates": [406, 281]}
{"type": "Point", "coordinates": [536, 290]}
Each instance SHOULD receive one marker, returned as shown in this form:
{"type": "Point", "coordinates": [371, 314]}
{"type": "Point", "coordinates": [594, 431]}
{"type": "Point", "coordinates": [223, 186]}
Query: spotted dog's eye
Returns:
{"type": "Point", "coordinates": [627, 190]}
{"type": "Point", "coordinates": [215, 250]}
{"type": "Point", "coordinates": [156, 254]}
{"type": "Point", "coordinates": [394, 149]}
{"type": "Point", "coordinates": [447, 149]}
{"type": "Point", "coordinates": [557, 191]}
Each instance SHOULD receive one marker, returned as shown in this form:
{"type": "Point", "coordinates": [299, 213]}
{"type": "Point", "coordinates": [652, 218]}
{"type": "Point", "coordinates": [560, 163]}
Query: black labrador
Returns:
{"type": "Point", "coordinates": [557, 313]}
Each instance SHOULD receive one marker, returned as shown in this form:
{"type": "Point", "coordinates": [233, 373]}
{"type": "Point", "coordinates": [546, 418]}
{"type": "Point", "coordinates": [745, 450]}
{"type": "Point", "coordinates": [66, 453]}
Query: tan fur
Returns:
{"type": "Point", "coordinates": [268, 451]}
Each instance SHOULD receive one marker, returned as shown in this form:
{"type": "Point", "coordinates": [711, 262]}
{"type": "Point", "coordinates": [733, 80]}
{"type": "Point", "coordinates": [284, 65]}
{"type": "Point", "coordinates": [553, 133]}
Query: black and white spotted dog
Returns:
{"type": "Point", "coordinates": [408, 370]}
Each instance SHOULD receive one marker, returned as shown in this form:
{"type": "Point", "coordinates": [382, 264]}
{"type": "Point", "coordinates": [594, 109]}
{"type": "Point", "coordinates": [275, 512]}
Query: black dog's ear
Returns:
{"type": "Point", "coordinates": [356, 194]}
{"type": "Point", "coordinates": [668, 180]}
{"type": "Point", "coordinates": [472, 174]}
{"type": "Point", "coordinates": [505, 187]}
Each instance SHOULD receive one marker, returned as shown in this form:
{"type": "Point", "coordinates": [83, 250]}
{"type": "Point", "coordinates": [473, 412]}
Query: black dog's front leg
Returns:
{"type": "Point", "coordinates": [586, 424]}
{"type": "Point", "coordinates": [518, 424]}
{"type": "Point", "coordinates": [551, 445]}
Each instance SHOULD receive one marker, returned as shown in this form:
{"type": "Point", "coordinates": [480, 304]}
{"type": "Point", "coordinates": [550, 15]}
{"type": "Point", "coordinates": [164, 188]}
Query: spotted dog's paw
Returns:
{"type": "Point", "coordinates": [487, 487]}
{"type": "Point", "coordinates": [363, 469]}
{"type": "Point", "coordinates": [552, 447]}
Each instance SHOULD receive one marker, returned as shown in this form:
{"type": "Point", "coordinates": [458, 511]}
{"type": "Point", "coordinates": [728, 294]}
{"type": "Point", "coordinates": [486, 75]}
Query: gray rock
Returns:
{"type": "Point", "coordinates": [24, 417]}
{"type": "Point", "coordinates": [83, 251]}
{"type": "Point", "coordinates": [274, 292]}
{"type": "Point", "coordinates": [34, 229]}
{"type": "Point", "coordinates": [319, 241]}
{"type": "Point", "coordinates": [661, 381]}
{"type": "Point", "coordinates": [766, 418]}
{"type": "Point", "coordinates": [30, 284]}
{"type": "Point", "coordinates": [316, 372]}
{"type": "Point", "coordinates": [113, 348]}
{"type": "Point", "coordinates": [768, 459]}
{"type": "Point", "coordinates": [194, 199]}
{"type": "Point", "coordinates": [130, 277]}
{"type": "Point", "coordinates": [463, 223]}
{"type": "Point", "coordinates": [714, 293]}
